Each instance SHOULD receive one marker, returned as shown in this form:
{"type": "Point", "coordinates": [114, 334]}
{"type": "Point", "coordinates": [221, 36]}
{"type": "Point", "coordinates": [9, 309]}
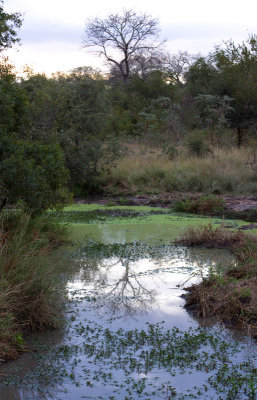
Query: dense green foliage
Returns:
{"type": "Point", "coordinates": [9, 23]}
{"type": "Point", "coordinates": [90, 115]}
{"type": "Point", "coordinates": [81, 120]}
{"type": "Point", "coordinates": [230, 72]}
{"type": "Point", "coordinates": [32, 174]}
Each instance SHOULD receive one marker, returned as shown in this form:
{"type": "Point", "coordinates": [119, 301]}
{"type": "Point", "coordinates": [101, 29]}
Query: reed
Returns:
{"type": "Point", "coordinates": [29, 295]}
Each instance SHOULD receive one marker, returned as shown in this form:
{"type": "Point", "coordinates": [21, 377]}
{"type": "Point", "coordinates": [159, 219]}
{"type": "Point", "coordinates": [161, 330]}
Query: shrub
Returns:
{"type": "Point", "coordinates": [32, 174]}
{"type": "Point", "coordinates": [202, 205]}
{"type": "Point", "coordinates": [196, 144]}
{"type": "Point", "coordinates": [171, 152]}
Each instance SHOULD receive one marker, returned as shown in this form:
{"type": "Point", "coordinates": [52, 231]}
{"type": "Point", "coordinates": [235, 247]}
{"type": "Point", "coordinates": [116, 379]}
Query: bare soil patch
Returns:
{"type": "Point", "coordinates": [167, 200]}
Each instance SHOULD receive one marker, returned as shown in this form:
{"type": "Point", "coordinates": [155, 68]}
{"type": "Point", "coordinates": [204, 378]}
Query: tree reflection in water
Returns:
{"type": "Point", "coordinates": [119, 274]}
{"type": "Point", "coordinates": [125, 292]}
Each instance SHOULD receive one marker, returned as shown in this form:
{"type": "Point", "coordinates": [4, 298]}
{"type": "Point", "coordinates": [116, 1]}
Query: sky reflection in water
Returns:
{"type": "Point", "coordinates": [111, 296]}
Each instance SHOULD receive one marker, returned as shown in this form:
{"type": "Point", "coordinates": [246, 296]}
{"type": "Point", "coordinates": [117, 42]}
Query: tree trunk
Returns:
{"type": "Point", "coordinates": [125, 78]}
{"type": "Point", "coordinates": [239, 136]}
{"type": "Point", "coordinates": [3, 204]}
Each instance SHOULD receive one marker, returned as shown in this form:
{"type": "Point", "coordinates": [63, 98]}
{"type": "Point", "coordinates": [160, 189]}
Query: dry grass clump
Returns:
{"type": "Point", "coordinates": [230, 299]}
{"type": "Point", "coordinates": [29, 299]}
{"type": "Point", "coordinates": [209, 236]}
{"type": "Point", "coordinates": [229, 293]}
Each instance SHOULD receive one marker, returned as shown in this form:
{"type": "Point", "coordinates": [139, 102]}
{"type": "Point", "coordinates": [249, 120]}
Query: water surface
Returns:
{"type": "Point", "coordinates": [128, 335]}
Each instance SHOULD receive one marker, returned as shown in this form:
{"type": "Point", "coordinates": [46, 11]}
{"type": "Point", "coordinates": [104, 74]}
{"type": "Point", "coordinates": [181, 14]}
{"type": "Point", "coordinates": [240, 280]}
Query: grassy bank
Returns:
{"type": "Point", "coordinates": [227, 292]}
{"type": "Point", "coordinates": [147, 169]}
{"type": "Point", "coordinates": [29, 299]}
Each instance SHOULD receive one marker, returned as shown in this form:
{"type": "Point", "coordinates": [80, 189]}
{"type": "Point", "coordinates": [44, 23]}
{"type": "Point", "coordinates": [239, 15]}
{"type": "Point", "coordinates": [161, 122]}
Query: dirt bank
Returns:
{"type": "Point", "coordinates": [232, 202]}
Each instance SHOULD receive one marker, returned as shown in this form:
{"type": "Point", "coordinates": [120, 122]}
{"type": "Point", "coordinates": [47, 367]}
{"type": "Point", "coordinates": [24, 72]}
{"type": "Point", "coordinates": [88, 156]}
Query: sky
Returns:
{"type": "Point", "coordinates": [52, 30]}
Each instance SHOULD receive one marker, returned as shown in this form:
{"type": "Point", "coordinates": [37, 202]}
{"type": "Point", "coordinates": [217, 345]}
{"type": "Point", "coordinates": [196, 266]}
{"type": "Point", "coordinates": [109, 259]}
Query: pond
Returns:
{"type": "Point", "coordinates": [127, 334]}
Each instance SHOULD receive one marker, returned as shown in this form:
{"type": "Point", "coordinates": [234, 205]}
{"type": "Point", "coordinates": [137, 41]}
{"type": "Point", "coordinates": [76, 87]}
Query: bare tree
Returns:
{"type": "Point", "coordinates": [177, 65]}
{"type": "Point", "coordinates": [122, 37]}
{"type": "Point", "coordinates": [144, 62]}
{"type": "Point", "coordinates": [141, 65]}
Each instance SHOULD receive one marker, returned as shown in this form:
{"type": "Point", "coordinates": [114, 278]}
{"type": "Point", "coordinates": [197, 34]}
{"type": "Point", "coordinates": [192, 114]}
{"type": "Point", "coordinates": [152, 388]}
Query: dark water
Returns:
{"type": "Point", "coordinates": [128, 336]}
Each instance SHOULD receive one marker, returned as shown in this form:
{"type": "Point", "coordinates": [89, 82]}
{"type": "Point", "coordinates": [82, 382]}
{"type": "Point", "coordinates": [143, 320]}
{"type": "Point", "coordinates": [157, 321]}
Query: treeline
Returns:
{"type": "Point", "coordinates": [62, 131]}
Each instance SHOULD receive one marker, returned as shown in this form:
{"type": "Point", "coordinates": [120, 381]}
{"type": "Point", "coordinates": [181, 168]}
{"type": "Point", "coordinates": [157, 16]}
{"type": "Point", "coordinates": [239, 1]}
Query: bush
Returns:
{"type": "Point", "coordinates": [196, 144]}
{"type": "Point", "coordinates": [208, 205]}
{"type": "Point", "coordinates": [32, 174]}
{"type": "Point", "coordinates": [171, 152]}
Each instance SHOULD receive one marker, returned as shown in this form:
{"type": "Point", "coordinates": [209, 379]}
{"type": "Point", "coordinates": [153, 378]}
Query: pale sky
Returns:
{"type": "Point", "coordinates": [52, 29]}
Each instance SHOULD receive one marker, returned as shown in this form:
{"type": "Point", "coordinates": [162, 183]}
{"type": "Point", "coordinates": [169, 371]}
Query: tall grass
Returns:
{"type": "Point", "coordinates": [150, 170]}
{"type": "Point", "coordinates": [29, 299]}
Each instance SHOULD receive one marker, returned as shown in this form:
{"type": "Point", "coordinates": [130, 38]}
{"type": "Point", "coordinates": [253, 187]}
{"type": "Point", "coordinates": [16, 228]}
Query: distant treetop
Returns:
{"type": "Point", "coordinates": [9, 23]}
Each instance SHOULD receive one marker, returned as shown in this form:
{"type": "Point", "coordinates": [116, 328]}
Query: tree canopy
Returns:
{"type": "Point", "coordinates": [237, 78]}
{"type": "Point", "coordinates": [31, 174]}
{"type": "Point", "coordinates": [9, 23]}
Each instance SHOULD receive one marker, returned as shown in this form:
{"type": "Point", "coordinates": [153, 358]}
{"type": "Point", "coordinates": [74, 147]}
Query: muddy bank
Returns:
{"type": "Point", "coordinates": [167, 200]}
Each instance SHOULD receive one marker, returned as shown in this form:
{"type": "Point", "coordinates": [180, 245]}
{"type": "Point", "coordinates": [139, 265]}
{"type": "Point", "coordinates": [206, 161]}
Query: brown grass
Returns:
{"type": "Point", "coordinates": [209, 236]}
{"type": "Point", "coordinates": [148, 169]}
